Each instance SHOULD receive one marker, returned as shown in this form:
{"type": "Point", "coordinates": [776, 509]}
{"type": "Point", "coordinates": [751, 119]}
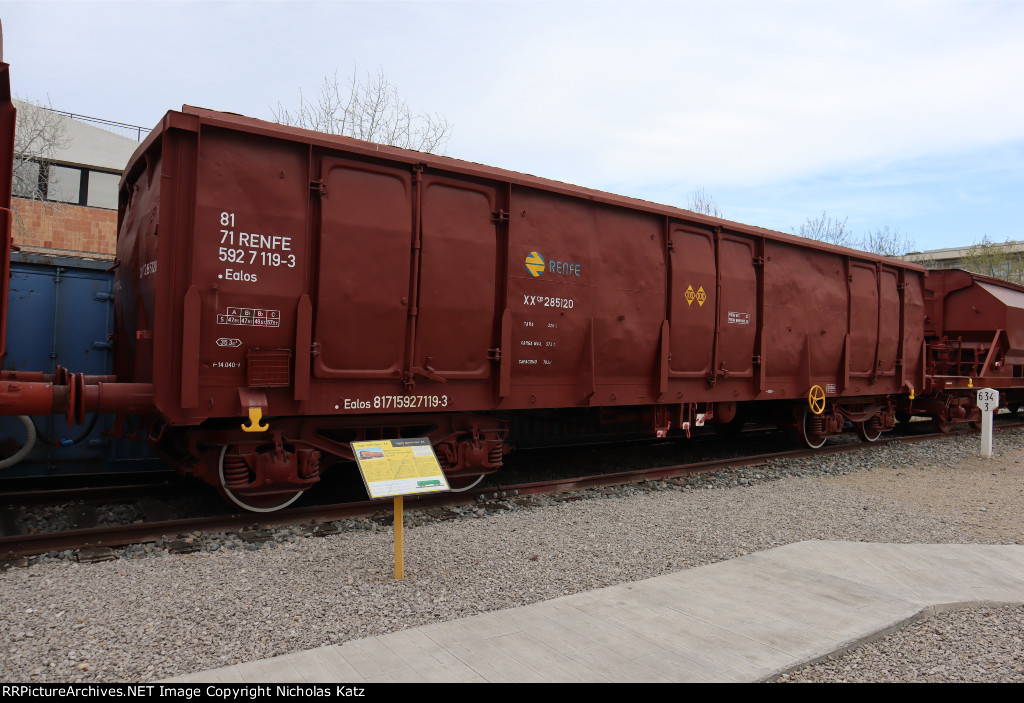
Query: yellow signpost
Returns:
{"type": "Point", "coordinates": [399, 536]}
{"type": "Point", "coordinates": [393, 468]}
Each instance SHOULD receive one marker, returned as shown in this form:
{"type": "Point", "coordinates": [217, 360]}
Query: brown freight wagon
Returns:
{"type": "Point", "coordinates": [328, 290]}
{"type": "Point", "coordinates": [974, 330]}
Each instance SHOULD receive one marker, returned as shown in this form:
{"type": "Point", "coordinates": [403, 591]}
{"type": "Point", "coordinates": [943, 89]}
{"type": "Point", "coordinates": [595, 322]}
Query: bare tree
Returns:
{"type": "Point", "coordinates": [887, 243]}
{"type": "Point", "coordinates": [371, 110]}
{"type": "Point", "coordinates": [39, 136]}
{"type": "Point", "coordinates": [702, 202]}
{"type": "Point", "coordinates": [827, 229]}
{"type": "Point", "coordinates": [882, 241]}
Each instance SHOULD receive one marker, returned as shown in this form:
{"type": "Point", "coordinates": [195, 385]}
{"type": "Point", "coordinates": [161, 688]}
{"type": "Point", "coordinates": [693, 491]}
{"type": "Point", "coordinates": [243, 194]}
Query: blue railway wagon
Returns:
{"type": "Point", "coordinates": [61, 314]}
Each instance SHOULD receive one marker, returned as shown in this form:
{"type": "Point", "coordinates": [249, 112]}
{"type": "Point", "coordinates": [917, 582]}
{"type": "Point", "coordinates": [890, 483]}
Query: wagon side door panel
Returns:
{"type": "Point", "coordinates": [457, 275]}
{"type": "Point", "coordinates": [889, 322]}
{"type": "Point", "coordinates": [863, 319]}
{"type": "Point", "coordinates": [806, 308]}
{"type": "Point", "coordinates": [692, 301]}
{"type": "Point", "coordinates": [364, 262]}
{"type": "Point", "coordinates": [737, 320]}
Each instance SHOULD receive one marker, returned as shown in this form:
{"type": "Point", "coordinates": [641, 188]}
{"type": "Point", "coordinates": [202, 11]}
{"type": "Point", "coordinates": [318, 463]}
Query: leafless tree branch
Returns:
{"type": "Point", "coordinates": [881, 241]}
{"type": "Point", "coordinates": [827, 229]}
{"type": "Point", "coordinates": [887, 243]}
{"type": "Point", "coordinates": [369, 109]}
{"type": "Point", "coordinates": [39, 136]}
{"type": "Point", "coordinates": [702, 202]}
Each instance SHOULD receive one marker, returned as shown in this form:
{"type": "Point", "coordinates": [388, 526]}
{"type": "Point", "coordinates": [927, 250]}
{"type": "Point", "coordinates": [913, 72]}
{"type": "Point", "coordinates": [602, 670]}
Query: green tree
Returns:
{"type": "Point", "coordinates": [997, 260]}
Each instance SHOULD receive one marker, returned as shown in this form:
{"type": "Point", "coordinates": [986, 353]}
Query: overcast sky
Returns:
{"type": "Point", "coordinates": [901, 115]}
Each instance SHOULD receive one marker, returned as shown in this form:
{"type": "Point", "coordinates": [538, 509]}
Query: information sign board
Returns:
{"type": "Point", "coordinates": [399, 467]}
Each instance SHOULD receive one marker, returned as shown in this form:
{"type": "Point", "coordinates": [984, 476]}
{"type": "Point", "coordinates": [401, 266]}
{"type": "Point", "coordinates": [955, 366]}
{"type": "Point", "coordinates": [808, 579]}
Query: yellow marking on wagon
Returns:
{"type": "Point", "coordinates": [535, 264]}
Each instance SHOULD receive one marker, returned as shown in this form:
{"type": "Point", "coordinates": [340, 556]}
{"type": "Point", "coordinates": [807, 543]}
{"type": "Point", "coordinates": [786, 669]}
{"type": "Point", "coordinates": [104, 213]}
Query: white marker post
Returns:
{"type": "Point", "coordinates": [988, 403]}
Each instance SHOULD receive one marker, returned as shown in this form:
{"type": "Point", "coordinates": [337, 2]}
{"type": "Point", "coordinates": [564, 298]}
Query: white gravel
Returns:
{"type": "Point", "coordinates": [155, 615]}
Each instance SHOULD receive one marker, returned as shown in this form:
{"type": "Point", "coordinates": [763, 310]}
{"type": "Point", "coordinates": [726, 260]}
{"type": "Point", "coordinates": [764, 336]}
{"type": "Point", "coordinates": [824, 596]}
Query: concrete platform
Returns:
{"type": "Point", "coordinates": [747, 619]}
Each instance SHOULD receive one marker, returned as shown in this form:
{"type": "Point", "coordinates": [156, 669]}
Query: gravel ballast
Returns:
{"type": "Point", "coordinates": [152, 615]}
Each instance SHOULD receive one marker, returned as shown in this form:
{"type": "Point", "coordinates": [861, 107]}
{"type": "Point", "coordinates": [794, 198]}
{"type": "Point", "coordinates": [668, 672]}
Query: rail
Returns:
{"type": "Point", "coordinates": [15, 546]}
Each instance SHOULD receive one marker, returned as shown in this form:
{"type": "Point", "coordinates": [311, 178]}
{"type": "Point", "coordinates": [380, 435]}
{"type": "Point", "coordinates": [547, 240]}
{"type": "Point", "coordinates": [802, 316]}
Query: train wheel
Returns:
{"type": "Point", "coordinates": [811, 431]}
{"type": "Point", "coordinates": [254, 503]}
{"type": "Point", "coordinates": [868, 432]}
{"type": "Point", "coordinates": [458, 484]}
{"type": "Point", "coordinates": [943, 426]}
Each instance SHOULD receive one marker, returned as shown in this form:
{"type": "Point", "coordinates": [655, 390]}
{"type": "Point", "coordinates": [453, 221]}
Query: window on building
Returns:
{"type": "Point", "coordinates": [26, 179]}
{"type": "Point", "coordinates": [103, 189]}
{"type": "Point", "coordinates": [66, 184]}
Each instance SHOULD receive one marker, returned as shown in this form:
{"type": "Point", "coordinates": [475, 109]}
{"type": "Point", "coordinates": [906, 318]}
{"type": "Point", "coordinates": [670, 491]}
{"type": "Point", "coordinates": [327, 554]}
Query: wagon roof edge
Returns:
{"type": "Point", "coordinates": [194, 117]}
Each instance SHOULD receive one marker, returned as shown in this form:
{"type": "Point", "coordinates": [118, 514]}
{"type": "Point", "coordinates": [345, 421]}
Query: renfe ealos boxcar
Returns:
{"type": "Point", "coordinates": [280, 293]}
{"type": "Point", "coordinates": [327, 290]}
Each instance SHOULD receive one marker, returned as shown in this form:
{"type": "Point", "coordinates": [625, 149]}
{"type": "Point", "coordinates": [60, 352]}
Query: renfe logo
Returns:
{"type": "Point", "coordinates": [535, 264]}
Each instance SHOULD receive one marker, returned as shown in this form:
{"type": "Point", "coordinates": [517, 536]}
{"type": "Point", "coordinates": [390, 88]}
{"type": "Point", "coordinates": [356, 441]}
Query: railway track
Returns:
{"type": "Point", "coordinates": [179, 535]}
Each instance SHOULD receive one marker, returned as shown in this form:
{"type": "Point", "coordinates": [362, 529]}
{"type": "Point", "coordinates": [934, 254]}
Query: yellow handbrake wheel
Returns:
{"type": "Point", "coordinates": [816, 399]}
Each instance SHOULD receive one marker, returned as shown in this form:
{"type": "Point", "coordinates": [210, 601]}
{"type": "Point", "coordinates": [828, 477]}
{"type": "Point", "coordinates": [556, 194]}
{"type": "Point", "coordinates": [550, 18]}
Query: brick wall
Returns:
{"type": "Point", "coordinates": [68, 228]}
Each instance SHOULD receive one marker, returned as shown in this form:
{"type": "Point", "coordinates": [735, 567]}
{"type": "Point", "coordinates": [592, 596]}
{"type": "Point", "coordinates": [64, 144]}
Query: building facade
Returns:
{"type": "Point", "coordinates": [66, 202]}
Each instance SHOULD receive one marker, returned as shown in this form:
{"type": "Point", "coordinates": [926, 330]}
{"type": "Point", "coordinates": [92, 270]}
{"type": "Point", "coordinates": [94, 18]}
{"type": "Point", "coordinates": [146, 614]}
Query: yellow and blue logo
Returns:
{"type": "Point", "coordinates": [535, 264]}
